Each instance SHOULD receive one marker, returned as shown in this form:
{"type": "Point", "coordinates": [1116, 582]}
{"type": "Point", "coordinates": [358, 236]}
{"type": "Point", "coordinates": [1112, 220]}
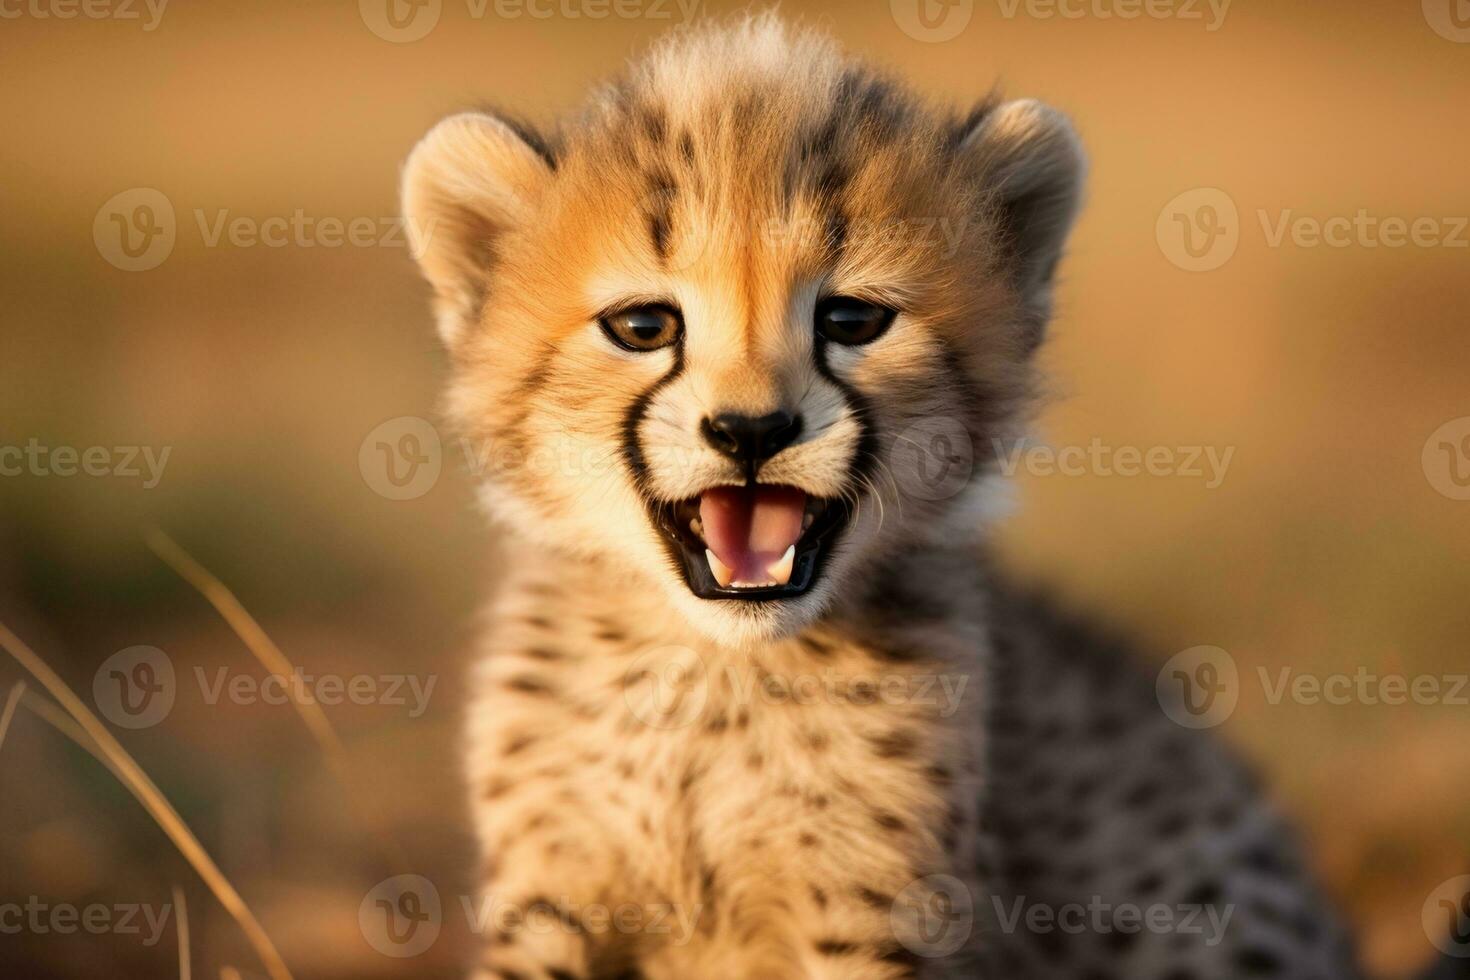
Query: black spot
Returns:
{"type": "Point", "coordinates": [518, 743]}
{"type": "Point", "coordinates": [897, 744]}
{"type": "Point", "coordinates": [1148, 883]}
{"type": "Point", "coordinates": [836, 947]}
{"type": "Point", "coordinates": [1255, 961]}
{"type": "Point", "coordinates": [1143, 795]}
{"type": "Point", "coordinates": [1205, 894]}
{"type": "Point", "coordinates": [889, 821]}
{"type": "Point", "coordinates": [529, 684]}
{"type": "Point", "coordinates": [658, 230]}
{"type": "Point", "coordinates": [1265, 860]}
{"type": "Point", "coordinates": [1173, 825]}
{"type": "Point", "coordinates": [651, 119]}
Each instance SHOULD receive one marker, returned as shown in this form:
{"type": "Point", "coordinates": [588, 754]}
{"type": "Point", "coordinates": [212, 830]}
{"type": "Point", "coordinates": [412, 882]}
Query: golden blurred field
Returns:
{"type": "Point", "coordinates": [1327, 547]}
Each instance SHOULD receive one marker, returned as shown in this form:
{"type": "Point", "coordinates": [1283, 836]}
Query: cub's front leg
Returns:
{"type": "Point", "coordinates": [551, 856]}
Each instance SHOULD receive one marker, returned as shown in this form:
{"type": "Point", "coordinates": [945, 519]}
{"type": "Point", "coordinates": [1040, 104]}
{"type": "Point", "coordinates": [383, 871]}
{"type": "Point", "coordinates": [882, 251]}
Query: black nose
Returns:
{"type": "Point", "coordinates": [750, 439]}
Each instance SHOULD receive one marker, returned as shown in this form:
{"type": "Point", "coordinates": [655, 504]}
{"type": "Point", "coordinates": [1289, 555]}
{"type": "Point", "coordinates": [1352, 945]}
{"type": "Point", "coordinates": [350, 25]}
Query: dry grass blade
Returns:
{"type": "Point", "coordinates": [9, 710]}
{"type": "Point", "coordinates": [264, 649]}
{"type": "Point", "coordinates": [141, 786]}
{"type": "Point", "coordinates": [181, 918]}
{"type": "Point", "coordinates": [61, 721]}
{"type": "Point", "coordinates": [252, 635]}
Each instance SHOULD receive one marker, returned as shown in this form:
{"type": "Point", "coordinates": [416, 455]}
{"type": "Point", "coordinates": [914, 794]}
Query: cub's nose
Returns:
{"type": "Point", "coordinates": [750, 439]}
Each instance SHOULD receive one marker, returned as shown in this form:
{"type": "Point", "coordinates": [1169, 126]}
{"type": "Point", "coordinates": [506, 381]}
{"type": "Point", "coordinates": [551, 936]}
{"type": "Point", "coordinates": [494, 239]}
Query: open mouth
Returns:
{"type": "Point", "coordinates": [757, 541]}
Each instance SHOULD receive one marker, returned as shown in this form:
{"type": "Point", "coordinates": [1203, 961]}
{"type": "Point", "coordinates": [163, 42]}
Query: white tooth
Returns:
{"type": "Point", "coordinates": [781, 570]}
{"type": "Point", "coordinates": [723, 574]}
{"type": "Point", "coordinates": [696, 527]}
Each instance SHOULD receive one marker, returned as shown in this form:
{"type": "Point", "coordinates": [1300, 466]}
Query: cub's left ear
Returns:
{"type": "Point", "coordinates": [1031, 167]}
{"type": "Point", "coordinates": [470, 181]}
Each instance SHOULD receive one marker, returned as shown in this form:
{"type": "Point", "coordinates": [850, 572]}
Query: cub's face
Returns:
{"type": "Point", "coordinates": [746, 334]}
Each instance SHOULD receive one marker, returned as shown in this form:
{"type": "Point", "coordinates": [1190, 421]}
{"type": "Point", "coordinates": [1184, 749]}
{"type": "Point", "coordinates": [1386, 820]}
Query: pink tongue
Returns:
{"type": "Point", "coordinates": [749, 528]}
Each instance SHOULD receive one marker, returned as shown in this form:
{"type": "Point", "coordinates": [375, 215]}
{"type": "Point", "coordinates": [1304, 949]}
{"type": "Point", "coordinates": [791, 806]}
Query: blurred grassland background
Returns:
{"type": "Point", "coordinates": [1325, 548]}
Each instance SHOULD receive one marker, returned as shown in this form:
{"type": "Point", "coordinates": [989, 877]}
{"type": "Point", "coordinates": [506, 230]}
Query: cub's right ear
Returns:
{"type": "Point", "coordinates": [471, 179]}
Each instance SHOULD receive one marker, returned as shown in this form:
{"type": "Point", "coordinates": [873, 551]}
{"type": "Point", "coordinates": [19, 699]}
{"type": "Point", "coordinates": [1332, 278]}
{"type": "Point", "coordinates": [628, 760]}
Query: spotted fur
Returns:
{"type": "Point", "coordinates": [782, 780]}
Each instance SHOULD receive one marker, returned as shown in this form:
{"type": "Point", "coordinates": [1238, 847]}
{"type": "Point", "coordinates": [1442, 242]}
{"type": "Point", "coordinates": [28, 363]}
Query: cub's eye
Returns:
{"type": "Point", "coordinates": [643, 328]}
{"type": "Point", "coordinates": [844, 320]}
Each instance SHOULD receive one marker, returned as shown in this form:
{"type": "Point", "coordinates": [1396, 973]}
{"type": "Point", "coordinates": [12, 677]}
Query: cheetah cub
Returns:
{"type": "Point", "coordinates": [734, 348]}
